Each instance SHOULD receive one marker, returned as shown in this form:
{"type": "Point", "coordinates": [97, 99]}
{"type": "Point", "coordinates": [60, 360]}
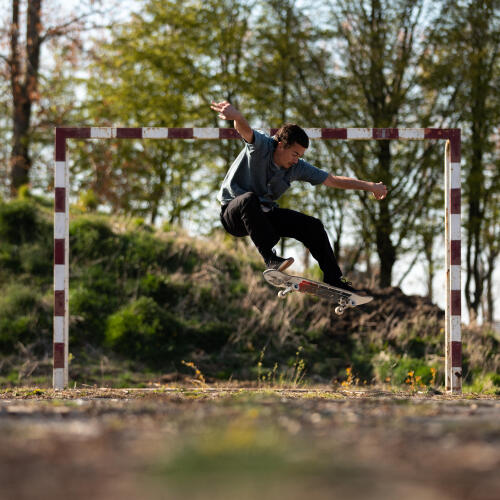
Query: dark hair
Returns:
{"type": "Point", "coordinates": [291, 133]}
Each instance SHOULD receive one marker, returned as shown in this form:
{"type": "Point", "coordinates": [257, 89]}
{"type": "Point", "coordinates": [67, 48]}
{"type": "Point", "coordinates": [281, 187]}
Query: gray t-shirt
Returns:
{"type": "Point", "coordinates": [254, 171]}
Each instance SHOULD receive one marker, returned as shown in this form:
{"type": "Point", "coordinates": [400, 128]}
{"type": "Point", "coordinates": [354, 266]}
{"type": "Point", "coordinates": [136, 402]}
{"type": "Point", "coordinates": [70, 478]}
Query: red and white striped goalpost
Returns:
{"type": "Point", "coordinates": [453, 354]}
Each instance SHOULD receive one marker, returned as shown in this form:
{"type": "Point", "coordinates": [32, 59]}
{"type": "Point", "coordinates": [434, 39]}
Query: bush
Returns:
{"type": "Point", "coordinates": [19, 222]}
{"type": "Point", "coordinates": [91, 238]}
{"type": "Point", "coordinates": [93, 297]}
{"type": "Point", "coordinates": [396, 371]}
{"type": "Point", "coordinates": [23, 318]}
{"type": "Point", "coordinates": [162, 290]}
{"type": "Point", "coordinates": [145, 332]}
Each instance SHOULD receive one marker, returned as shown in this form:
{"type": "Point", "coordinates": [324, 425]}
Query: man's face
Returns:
{"type": "Point", "coordinates": [287, 157]}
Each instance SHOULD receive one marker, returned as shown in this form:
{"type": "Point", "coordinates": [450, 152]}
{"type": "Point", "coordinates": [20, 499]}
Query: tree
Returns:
{"type": "Point", "coordinates": [22, 66]}
{"type": "Point", "coordinates": [466, 68]}
{"type": "Point", "coordinates": [163, 68]}
{"type": "Point", "coordinates": [380, 45]}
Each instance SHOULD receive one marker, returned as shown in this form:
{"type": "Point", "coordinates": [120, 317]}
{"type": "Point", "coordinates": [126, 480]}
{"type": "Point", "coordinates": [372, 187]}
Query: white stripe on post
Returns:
{"type": "Point", "coordinates": [412, 133]}
{"type": "Point", "coordinates": [155, 133]}
{"type": "Point", "coordinates": [359, 133]}
{"type": "Point", "coordinates": [59, 225]}
{"type": "Point", "coordinates": [59, 378]}
{"type": "Point", "coordinates": [59, 174]}
{"type": "Point", "coordinates": [58, 329]}
{"type": "Point", "coordinates": [313, 133]}
{"type": "Point", "coordinates": [455, 181]}
{"type": "Point", "coordinates": [205, 133]}
{"type": "Point", "coordinates": [102, 132]}
{"type": "Point", "coordinates": [456, 334]}
{"type": "Point", "coordinates": [59, 277]}
{"type": "Point", "coordinates": [455, 229]}
{"type": "Point", "coordinates": [456, 324]}
{"type": "Point", "coordinates": [455, 278]}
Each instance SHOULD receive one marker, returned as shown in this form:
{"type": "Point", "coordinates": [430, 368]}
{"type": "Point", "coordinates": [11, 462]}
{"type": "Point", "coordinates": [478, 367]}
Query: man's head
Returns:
{"type": "Point", "coordinates": [292, 144]}
{"type": "Point", "coordinates": [290, 133]}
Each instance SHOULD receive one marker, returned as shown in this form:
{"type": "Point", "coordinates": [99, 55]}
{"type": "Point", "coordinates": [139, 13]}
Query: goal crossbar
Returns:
{"type": "Point", "coordinates": [452, 204]}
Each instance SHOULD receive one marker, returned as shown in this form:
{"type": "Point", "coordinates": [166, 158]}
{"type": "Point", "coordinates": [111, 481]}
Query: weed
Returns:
{"type": "Point", "coordinates": [200, 379]}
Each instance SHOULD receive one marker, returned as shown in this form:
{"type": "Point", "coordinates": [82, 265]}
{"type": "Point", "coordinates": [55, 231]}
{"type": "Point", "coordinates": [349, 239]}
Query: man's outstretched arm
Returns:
{"type": "Point", "coordinates": [377, 188]}
{"type": "Point", "coordinates": [228, 112]}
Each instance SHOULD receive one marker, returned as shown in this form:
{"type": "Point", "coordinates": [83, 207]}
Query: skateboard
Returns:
{"type": "Point", "coordinates": [291, 284]}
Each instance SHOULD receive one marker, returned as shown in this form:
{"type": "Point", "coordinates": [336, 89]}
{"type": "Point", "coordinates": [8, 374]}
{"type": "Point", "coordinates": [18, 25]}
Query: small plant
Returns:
{"type": "Point", "coordinates": [299, 368]}
{"type": "Point", "coordinates": [414, 381]}
{"type": "Point", "coordinates": [200, 379]}
{"type": "Point", "coordinates": [348, 382]}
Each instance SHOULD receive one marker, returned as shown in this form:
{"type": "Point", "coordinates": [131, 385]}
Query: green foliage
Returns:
{"type": "Point", "coordinates": [91, 238]}
{"type": "Point", "coordinates": [155, 300]}
{"type": "Point", "coordinates": [144, 331]}
{"type": "Point", "coordinates": [88, 201]}
{"type": "Point", "coordinates": [396, 370]}
{"type": "Point", "coordinates": [23, 318]}
{"type": "Point", "coordinates": [18, 222]}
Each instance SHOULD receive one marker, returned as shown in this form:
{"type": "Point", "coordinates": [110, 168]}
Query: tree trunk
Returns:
{"type": "Point", "coordinates": [24, 90]}
{"type": "Point", "coordinates": [385, 248]}
{"type": "Point", "coordinates": [428, 238]}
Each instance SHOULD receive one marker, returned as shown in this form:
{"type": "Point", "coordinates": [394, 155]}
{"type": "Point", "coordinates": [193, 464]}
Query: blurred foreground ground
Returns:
{"type": "Point", "coordinates": [247, 444]}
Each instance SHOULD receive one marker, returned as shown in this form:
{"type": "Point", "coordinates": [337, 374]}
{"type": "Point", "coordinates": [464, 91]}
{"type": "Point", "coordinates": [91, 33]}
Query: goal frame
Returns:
{"type": "Point", "coordinates": [452, 206]}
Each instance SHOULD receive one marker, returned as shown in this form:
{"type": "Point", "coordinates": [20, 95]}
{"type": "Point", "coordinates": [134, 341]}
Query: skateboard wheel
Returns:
{"type": "Point", "coordinates": [282, 294]}
{"type": "Point", "coordinates": [339, 310]}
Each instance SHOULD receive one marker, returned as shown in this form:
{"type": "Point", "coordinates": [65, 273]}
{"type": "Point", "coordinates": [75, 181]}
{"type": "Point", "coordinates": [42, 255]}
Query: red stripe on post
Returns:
{"type": "Point", "coordinates": [436, 133]}
{"type": "Point", "coordinates": [63, 133]}
{"type": "Point", "coordinates": [76, 132]}
{"type": "Point", "coordinates": [455, 200]}
{"type": "Point", "coordinates": [455, 145]}
{"type": "Point", "coordinates": [455, 251]}
{"type": "Point", "coordinates": [129, 133]}
{"type": "Point", "coordinates": [60, 200]}
{"type": "Point", "coordinates": [58, 354]}
{"type": "Point", "coordinates": [228, 133]}
{"type": "Point", "coordinates": [334, 133]}
{"type": "Point", "coordinates": [456, 303]}
{"type": "Point", "coordinates": [59, 303]}
{"type": "Point", "coordinates": [456, 354]}
{"type": "Point", "coordinates": [180, 133]}
{"type": "Point", "coordinates": [385, 133]}
{"type": "Point", "coordinates": [60, 147]}
{"type": "Point", "coordinates": [59, 251]}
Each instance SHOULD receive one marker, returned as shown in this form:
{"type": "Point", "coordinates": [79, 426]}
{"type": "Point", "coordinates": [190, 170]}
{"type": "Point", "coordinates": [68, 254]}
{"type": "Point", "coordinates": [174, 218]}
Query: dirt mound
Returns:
{"type": "Point", "coordinates": [390, 308]}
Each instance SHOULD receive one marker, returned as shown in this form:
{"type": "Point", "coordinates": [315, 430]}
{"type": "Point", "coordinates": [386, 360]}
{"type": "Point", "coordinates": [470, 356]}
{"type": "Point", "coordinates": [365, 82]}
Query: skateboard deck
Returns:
{"type": "Point", "coordinates": [291, 284]}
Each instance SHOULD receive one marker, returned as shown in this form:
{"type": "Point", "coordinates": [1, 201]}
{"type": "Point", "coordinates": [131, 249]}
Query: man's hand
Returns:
{"type": "Point", "coordinates": [379, 190]}
{"type": "Point", "coordinates": [228, 112]}
{"type": "Point", "coordinates": [337, 181]}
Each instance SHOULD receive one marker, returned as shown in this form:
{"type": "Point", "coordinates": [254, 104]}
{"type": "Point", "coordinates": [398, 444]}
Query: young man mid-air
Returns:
{"type": "Point", "coordinates": [261, 173]}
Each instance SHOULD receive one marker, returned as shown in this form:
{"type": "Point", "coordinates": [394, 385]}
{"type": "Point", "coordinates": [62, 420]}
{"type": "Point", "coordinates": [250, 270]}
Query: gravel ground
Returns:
{"type": "Point", "coordinates": [214, 443]}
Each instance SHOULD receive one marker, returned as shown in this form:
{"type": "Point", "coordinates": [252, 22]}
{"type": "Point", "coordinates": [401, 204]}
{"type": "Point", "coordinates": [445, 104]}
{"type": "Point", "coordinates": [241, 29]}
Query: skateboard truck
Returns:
{"type": "Point", "coordinates": [289, 289]}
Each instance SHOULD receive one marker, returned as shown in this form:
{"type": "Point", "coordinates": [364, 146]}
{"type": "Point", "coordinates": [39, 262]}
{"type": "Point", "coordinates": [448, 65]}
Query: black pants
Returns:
{"type": "Point", "coordinates": [243, 216]}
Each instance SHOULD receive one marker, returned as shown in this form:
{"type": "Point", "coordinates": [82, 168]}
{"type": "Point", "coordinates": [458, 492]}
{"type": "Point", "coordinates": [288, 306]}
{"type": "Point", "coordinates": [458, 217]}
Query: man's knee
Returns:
{"type": "Point", "coordinates": [249, 201]}
{"type": "Point", "coordinates": [316, 225]}
{"type": "Point", "coordinates": [249, 197]}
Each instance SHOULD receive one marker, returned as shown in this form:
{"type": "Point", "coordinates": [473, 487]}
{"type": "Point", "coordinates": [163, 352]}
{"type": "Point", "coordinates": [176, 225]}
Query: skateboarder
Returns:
{"type": "Point", "coordinates": [261, 173]}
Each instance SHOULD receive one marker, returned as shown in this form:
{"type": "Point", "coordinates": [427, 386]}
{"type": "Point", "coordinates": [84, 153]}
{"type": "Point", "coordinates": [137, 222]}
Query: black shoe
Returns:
{"type": "Point", "coordinates": [278, 263]}
{"type": "Point", "coordinates": [344, 284]}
